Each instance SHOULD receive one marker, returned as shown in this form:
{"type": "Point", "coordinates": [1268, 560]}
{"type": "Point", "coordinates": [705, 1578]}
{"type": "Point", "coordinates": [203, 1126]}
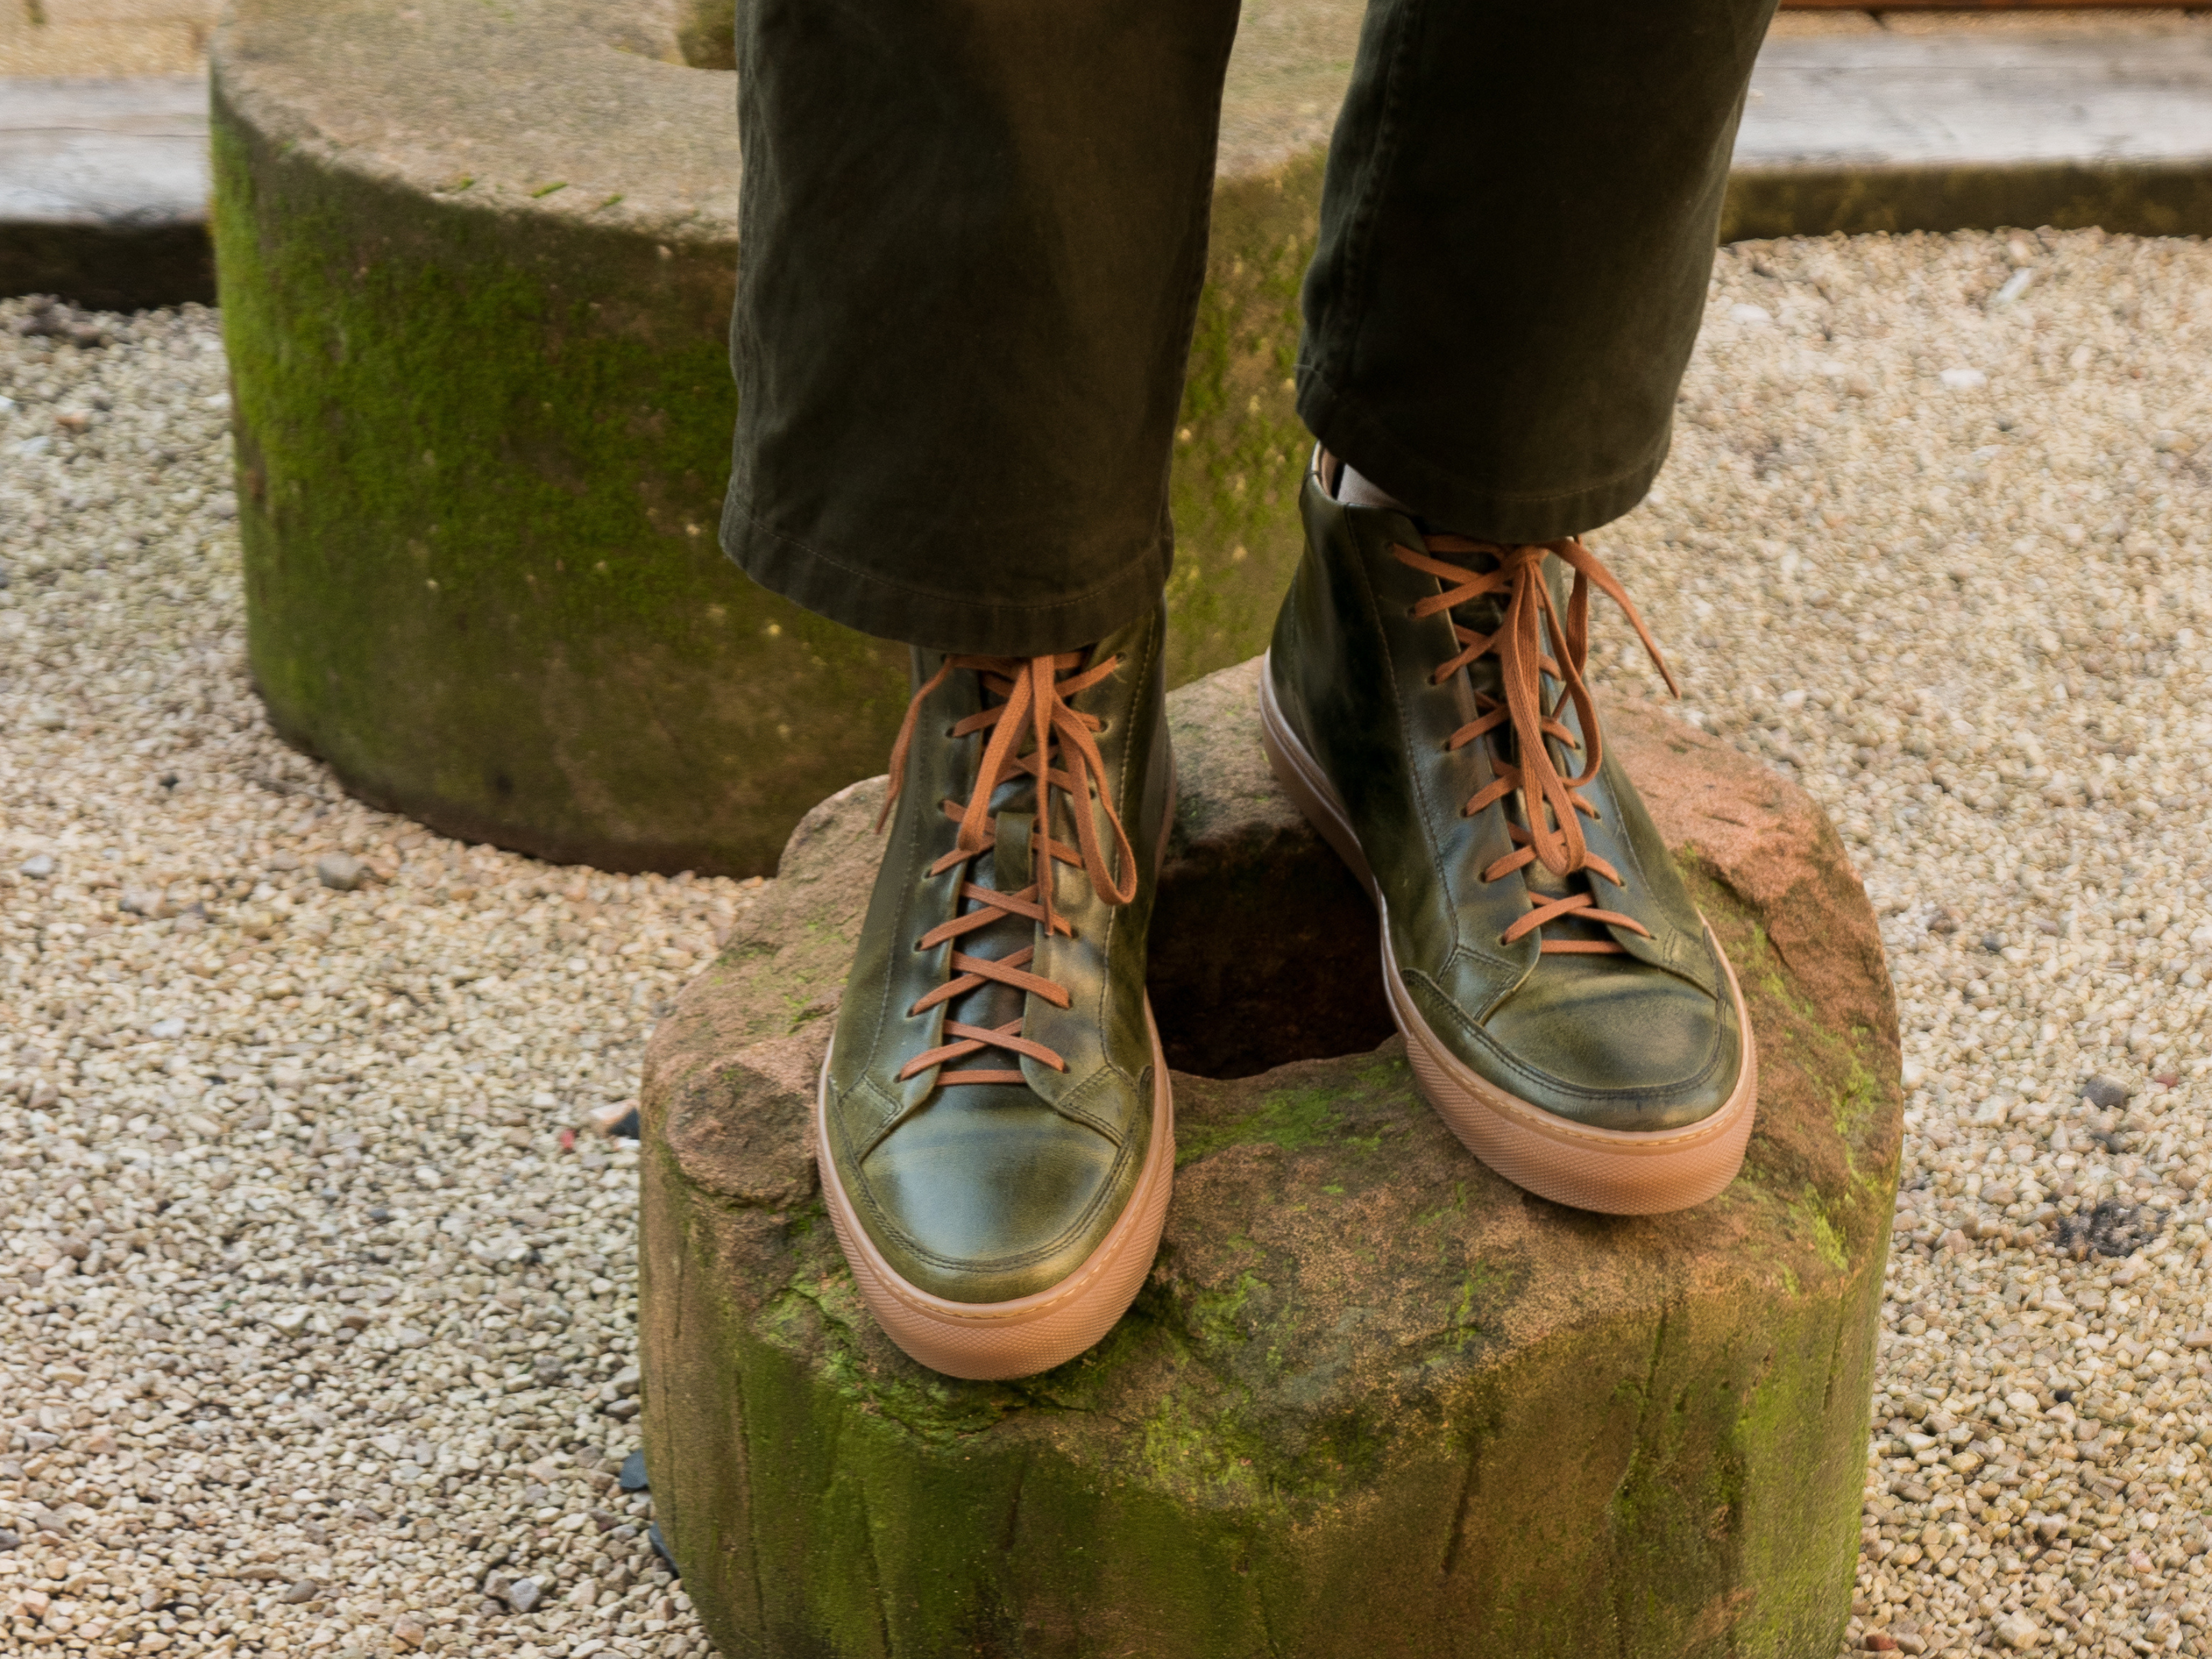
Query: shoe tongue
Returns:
{"type": "Point", "coordinates": [1010, 851]}
{"type": "Point", "coordinates": [1006, 868]}
{"type": "Point", "coordinates": [1484, 615]}
{"type": "Point", "coordinates": [1542, 882]}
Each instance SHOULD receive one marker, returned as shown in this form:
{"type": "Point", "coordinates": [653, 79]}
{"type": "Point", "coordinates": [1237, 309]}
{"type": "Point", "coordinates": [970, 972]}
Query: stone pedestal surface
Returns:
{"type": "Point", "coordinates": [1373, 1400]}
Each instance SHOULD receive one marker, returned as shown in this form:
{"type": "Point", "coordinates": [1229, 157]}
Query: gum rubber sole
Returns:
{"type": "Point", "coordinates": [994, 1341]}
{"type": "Point", "coordinates": [1613, 1171]}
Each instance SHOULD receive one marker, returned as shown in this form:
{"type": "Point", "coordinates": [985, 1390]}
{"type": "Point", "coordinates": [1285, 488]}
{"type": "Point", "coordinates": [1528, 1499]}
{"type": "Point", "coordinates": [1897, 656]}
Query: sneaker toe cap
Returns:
{"type": "Point", "coordinates": [1610, 1044]}
{"type": "Point", "coordinates": [984, 1201]}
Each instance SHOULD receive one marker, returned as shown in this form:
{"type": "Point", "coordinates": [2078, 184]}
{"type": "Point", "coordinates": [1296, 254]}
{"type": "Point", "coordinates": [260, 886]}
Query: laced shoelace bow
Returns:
{"type": "Point", "coordinates": [1553, 805]}
{"type": "Point", "coordinates": [1034, 707]}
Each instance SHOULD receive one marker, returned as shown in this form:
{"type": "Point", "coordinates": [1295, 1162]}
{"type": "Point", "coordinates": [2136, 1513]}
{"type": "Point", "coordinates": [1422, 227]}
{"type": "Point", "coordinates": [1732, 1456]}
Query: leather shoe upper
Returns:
{"type": "Point", "coordinates": [990, 1090]}
{"type": "Point", "coordinates": [1592, 991]}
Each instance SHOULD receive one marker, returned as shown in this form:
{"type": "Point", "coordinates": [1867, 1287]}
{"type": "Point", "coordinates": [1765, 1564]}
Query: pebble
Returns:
{"type": "Point", "coordinates": [2106, 1094]}
{"type": "Point", "coordinates": [297, 1278]}
{"type": "Point", "coordinates": [340, 872]}
{"type": "Point", "coordinates": [1970, 619]}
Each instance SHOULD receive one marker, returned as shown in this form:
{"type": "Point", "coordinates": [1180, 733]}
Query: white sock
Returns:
{"type": "Point", "coordinates": [1353, 490]}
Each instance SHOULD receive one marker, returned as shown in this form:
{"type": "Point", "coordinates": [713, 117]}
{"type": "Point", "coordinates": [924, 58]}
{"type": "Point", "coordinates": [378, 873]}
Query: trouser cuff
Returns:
{"type": "Point", "coordinates": [1487, 509]}
{"type": "Point", "coordinates": [939, 619]}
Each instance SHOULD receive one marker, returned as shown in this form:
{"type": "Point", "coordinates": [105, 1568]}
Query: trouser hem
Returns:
{"type": "Point", "coordinates": [1447, 497]}
{"type": "Point", "coordinates": [848, 592]}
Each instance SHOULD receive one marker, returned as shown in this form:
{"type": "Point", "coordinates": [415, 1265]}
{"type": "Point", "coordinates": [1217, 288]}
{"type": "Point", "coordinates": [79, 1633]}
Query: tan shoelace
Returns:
{"type": "Point", "coordinates": [1036, 708]}
{"type": "Point", "coordinates": [1551, 804]}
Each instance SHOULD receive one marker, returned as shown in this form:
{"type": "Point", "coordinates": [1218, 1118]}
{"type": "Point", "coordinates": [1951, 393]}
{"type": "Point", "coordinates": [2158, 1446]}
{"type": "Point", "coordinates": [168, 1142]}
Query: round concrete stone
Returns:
{"type": "Point", "coordinates": [477, 265]}
{"type": "Point", "coordinates": [1373, 1401]}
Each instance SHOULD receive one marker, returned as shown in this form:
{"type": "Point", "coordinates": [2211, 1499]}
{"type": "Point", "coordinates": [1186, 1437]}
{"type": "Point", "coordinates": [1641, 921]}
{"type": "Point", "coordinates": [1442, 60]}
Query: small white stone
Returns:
{"type": "Point", "coordinates": [2017, 1630]}
{"type": "Point", "coordinates": [1964, 380]}
{"type": "Point", "coordinates": [341, 871]}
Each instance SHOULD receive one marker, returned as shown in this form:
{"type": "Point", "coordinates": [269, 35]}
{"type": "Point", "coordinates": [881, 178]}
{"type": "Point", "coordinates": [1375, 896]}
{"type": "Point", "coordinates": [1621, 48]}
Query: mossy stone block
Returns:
{"type": "Point", "coordinates": [1373, 1401]}
{"type": "Point", "coordinates": [476, 266]}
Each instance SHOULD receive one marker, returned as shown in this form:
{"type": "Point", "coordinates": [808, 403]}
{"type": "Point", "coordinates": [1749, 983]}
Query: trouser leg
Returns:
{"type": "Point", "coordinates": [971, 238]}
{"type": "Point", "coordinates": [1518, 230]}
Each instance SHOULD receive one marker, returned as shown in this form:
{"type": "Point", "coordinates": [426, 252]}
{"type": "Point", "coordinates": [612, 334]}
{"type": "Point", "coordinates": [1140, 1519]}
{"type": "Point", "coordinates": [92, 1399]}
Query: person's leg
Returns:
{"type": "Point", "coordinates": [972, 235]}
{"type": "Point", "coordinates": [1518, 232]}
{"type": "Point", "coordinates": [1516, 236]}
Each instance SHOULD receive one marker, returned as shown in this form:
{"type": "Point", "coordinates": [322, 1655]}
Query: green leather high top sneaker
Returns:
{"type": "Point", "coordinates": [995, 1131]}
{"type": "Point", "coordinates": [1564, 1006]}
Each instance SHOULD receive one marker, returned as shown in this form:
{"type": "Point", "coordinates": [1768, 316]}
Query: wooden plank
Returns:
{"type": "Point", "coordinates": [1977, 5]}
{"type": "Point", "coordinates": [111, 150]}
{"type": "Point", "coordinates": [1886, 100]}
{"type": "Point", "coordinates": [104, 189]}
{"type": "Point", "coordinates": [1892, 131]}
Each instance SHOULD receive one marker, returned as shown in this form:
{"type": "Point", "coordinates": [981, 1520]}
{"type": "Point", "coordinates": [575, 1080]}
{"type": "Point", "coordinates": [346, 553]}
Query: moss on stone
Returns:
{"type": "Point", "coordinates": [1291, 1119]}
{"type": "Point", "coordinates": [479, 457]}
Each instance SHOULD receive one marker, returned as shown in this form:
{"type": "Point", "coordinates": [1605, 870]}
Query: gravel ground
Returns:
{"type": "Point", "coordinates": [1934, 539]}
{"type": "Point", "coordinates": [311, 1325]}
{"type": "Point", "coordinates": [316, 1312]}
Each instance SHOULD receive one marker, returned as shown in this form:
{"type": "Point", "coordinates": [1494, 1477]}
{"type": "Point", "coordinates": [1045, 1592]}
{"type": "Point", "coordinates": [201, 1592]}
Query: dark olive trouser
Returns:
{"type": "Point", "coordinates": [973, 233]}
